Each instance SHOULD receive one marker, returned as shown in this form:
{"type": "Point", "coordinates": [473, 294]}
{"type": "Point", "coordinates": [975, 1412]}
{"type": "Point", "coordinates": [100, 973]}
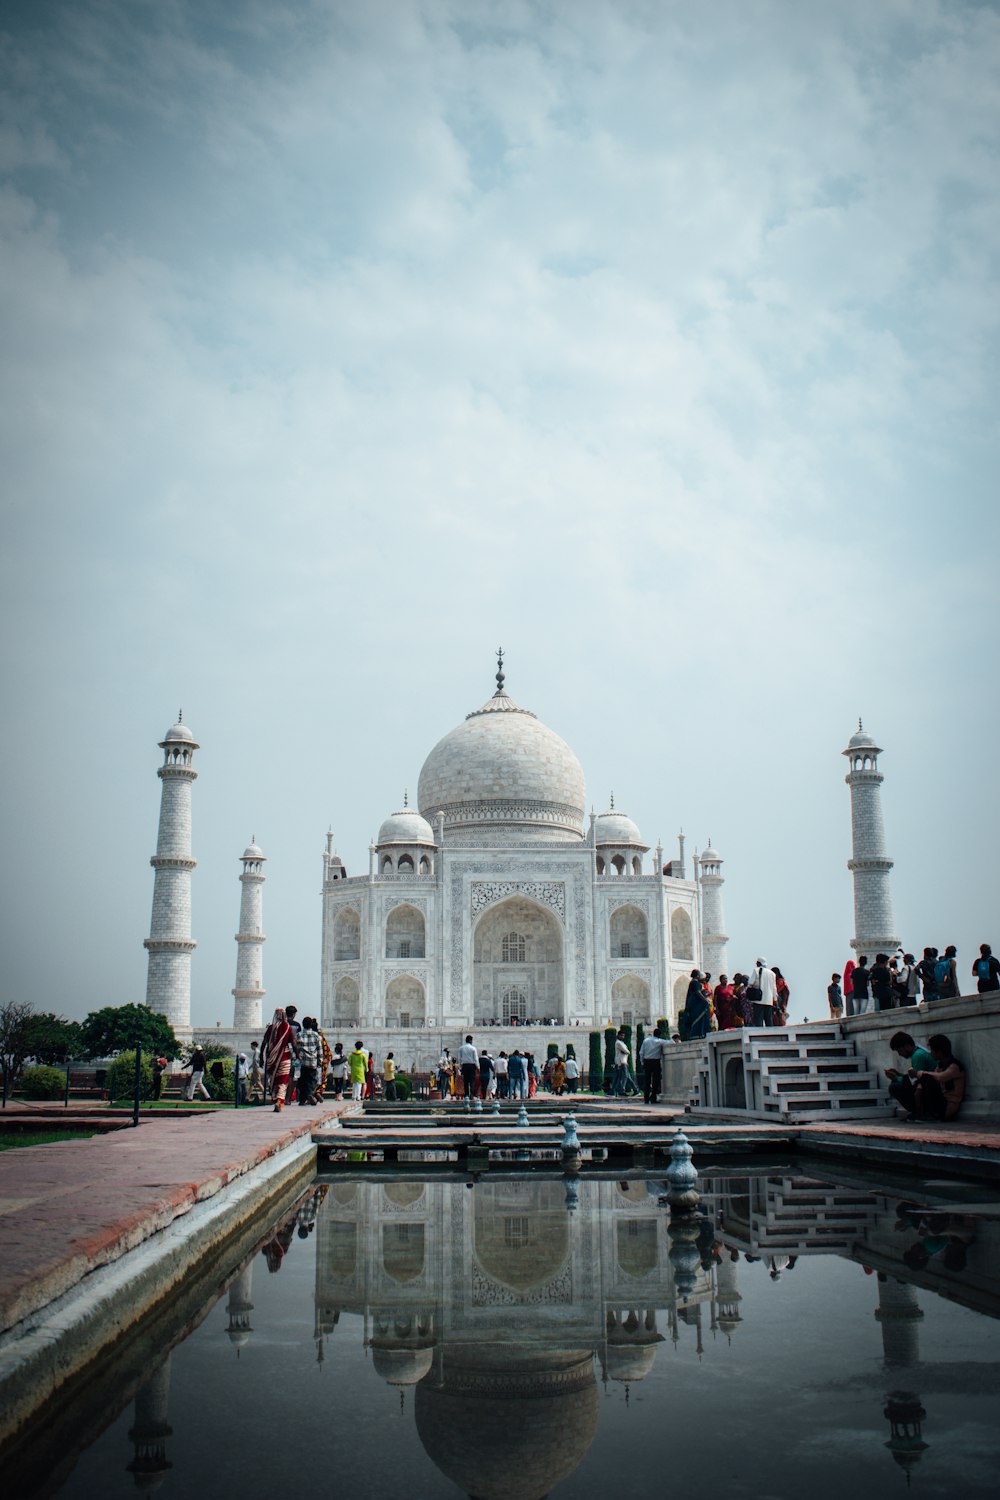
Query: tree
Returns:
{"type": "Point", "coordinates": [52, 1039]}
{"type": "Point", "coordinates": [15, 1016]}
{"type": "Point", "coordinates": [122, 1028]}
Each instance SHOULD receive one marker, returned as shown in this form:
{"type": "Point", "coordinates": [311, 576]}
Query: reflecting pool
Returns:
{"type": "Point", "coordinates": [525, 1335]}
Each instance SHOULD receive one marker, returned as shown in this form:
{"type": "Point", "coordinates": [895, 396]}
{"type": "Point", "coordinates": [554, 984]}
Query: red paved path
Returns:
{"type": "Point", "coordinates": [72, 1205]}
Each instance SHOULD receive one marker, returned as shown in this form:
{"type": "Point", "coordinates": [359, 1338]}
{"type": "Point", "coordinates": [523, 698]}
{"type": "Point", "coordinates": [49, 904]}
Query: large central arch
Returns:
{"type": "Point", "coordinates": [518, 951]}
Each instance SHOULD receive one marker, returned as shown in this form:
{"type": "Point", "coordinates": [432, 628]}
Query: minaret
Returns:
{"type": "Point", "coordinates": [713, 926]}
{"type": "Point", "coordinates": [170, 945]}
{"type": "Point", "coordinates": [870, 866]}
{"type": "Point", "coordinates": [899, 1313]}
{"type": "Point", "coordinates": [249, 989]}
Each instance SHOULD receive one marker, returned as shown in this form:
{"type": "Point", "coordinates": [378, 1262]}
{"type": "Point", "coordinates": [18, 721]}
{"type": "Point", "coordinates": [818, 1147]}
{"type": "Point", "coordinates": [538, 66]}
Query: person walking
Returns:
{"type": "Point", "coordinates": [196, 1068]}
{"type": "Point", "coordinates": [927, 970]}
{"type": "Point", "coordinates": [389, 1077]}
{"type": "Point", "coordinates": [277, 1047]}
{"type": "Point", "coordinates": [242, 1073]}
{"type": "Point", "coordinates": [572, 1069]}
{"type": "Point", "coordinates": [487, 1082]}
{"type": "Point", "coordinates": [557, 1075]}
{"type": "Point", "coordinates": [502, 1078]}
{"type": "Point", "coordinates": [468, 1061]}
{"type": "Point", "coordinates": [619, 1078]}
{"type": "Point", "coordinates": [518, 1075]}
{"type": "Point", "coordinates": [255, 1079]}
{"type": "Point", "coordinates": [310, 1054]}
{"type": "Point", "coordinates": [357, 1062]}
{"type": "Point", "coordinates": [338, 1069]}
{"type": "Point", "coordinates": [651, 1057]}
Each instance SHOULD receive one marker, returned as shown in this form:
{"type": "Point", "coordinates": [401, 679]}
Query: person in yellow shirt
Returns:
{"type": "Point", "coordinates": [389, 1076]}
{"type": "Point", "coordinates": [358, 1064]}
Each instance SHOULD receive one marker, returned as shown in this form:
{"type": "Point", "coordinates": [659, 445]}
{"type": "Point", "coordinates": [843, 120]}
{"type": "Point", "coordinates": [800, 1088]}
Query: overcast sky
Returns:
{"type": "Point", "coordinates": [343, 343]}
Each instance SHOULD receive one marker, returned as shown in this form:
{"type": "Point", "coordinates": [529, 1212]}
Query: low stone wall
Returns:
{"type": "Point", "coordinates": [972, 1024]}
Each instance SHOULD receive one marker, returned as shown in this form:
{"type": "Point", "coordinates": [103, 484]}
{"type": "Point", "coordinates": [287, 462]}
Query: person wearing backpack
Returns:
{"type": "Point", "coordinates": [946, 974]}
{"type": "Point", "coordinates": [927, 970]}
{"type": "Point", "coordinates": [986, 970]}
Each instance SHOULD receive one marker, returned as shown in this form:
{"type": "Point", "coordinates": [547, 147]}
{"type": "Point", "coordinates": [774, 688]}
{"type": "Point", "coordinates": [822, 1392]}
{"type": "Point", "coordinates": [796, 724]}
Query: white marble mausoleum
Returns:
{"type": "Point", "coordinates": [495, 900]}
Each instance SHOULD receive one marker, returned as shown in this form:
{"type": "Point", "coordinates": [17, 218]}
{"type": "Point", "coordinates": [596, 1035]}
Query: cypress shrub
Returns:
{"type": "Point", "coordinates": [121, 1077]}
{"type": "Point", "coordinates": [609, 1057]}
{"type": "Point", "coordinates": [570, 1050]}
{"type": "Point", "coordinates": [595, 1066]}
{"type": "Point", "coordinates": [552, 1050]}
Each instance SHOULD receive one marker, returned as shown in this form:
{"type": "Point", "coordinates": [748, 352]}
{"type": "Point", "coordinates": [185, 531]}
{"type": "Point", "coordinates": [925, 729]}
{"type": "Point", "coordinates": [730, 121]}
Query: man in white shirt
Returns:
{"type": "Point", "coordinates": [503, 1083]}
{"type": "Point", "coordinates": [651, 1057]}
{"type": "Point", "coordinates": [572, 1074]}
{"type": "Point", "coordinates": [468, 1061]}
{"type": "Point", "coordinates": [762, 979]}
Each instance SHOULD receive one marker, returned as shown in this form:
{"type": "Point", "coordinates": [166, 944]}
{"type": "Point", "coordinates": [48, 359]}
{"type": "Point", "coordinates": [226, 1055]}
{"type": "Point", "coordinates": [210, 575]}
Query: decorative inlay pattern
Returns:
{"type": "Point", "coordinates": [551, 893]}
{"type": "Point", "coordinates": [389, 903]}
{"type": "Point", "coordinates": [637, 971]}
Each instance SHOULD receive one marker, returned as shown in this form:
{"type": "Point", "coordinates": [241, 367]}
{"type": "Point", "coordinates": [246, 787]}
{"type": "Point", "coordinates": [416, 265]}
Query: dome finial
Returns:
{"type": "Point", "coordinates": [612, 801]}
{"type": "Point", "coordinates": [406, 797]}
{"type": "Point", "coordinates": [180, 716]}
{"type": "Point", "coordinates": [860, 725]}
{"type": "Point", "coordinates": [500, 673]}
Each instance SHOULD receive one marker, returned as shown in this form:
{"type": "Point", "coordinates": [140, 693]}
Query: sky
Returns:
{"type": "Point", "coordinates": [344, 343]}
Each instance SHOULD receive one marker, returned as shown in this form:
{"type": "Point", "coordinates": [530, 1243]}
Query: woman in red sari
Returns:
{"type": "Point", "coordinates": [276, 1048]}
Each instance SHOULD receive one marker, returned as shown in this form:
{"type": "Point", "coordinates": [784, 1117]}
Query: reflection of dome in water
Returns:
{"type": "Point", "coordinates": [508, 1425]}
{"type": "Point", "coordinates": [630, 1362]}
{"type": "Point", "coordinates": [402, 1366]}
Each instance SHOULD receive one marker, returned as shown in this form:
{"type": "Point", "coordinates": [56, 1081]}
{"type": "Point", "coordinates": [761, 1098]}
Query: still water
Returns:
{"type": "Point", "coordinates": [817, 1338]}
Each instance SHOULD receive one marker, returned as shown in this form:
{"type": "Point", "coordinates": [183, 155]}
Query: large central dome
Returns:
{"type": "Point", "coordinates": [503, 776]}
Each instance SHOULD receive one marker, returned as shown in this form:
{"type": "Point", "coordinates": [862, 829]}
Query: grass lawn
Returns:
{"type": "Point", "coordinates": [11, 1139]}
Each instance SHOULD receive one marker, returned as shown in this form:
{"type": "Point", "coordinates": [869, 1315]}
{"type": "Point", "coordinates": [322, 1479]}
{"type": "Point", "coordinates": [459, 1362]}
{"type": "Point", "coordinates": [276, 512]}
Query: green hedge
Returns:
{"type": "Point", "coordinates": [43, 1083]}
{"type": "Point", "coordinates": [609, 1057]}
{"type": "Point", "coordinates": [404, 1088]}
{"type": "Point", "coordinates": [120, 1082]}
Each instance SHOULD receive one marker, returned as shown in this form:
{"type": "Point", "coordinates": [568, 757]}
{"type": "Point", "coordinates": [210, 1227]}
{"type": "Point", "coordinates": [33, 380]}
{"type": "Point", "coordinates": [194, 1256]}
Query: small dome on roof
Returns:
{"type": "Point", "coordinates": [711, 854]}
{"type": "Point", "coordinates": [861, 741]}
{"type": "Point", "coordinates": [615, 827]}
{"type": "Point", "coordinates": [177, 732]}
{"type": "Point", "coordinates": [405, 827]}
{"type": "Point", "coordinates": [253, 851]}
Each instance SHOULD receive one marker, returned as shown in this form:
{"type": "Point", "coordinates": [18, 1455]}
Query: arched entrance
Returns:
{"type": "Point", "coordinates": [517, 962]}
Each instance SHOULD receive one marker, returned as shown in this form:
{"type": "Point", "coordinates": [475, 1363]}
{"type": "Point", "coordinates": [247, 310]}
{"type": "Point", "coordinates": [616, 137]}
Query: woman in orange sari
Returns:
{"type": "Point", "coordinates": [277, 1047]}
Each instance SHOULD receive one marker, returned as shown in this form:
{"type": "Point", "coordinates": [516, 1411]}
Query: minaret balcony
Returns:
{"type": "Point", "coordinates": [250, 937]}
{"type": "Point", "coordinates": [169, 945]}
{"type": "Point", "coordinates": [172, 862]}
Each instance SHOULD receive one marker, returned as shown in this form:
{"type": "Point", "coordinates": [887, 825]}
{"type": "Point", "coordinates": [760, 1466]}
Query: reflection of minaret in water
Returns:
{"type": "Point", "coordinates": [150, 1430]}
{"type": "Point", "coordinates": [728, 1296]}
{"type": "Point", "coordinates": [899, 1315]}
{"type": "Point", "coordinates": [240, 1307]}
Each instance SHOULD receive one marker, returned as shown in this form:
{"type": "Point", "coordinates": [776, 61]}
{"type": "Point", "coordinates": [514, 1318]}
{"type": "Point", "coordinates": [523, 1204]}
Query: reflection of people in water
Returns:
{"type": "Point", "coordinates": [277, 1246]}
{"type": "Point", "coordinates": [940, 1234]}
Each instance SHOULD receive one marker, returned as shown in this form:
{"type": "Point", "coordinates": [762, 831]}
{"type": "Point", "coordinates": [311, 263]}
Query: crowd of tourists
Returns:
{"type": "Point", "coordinates": [757, 998]}
{"type": "Point", "coordinates": [905, 980]}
